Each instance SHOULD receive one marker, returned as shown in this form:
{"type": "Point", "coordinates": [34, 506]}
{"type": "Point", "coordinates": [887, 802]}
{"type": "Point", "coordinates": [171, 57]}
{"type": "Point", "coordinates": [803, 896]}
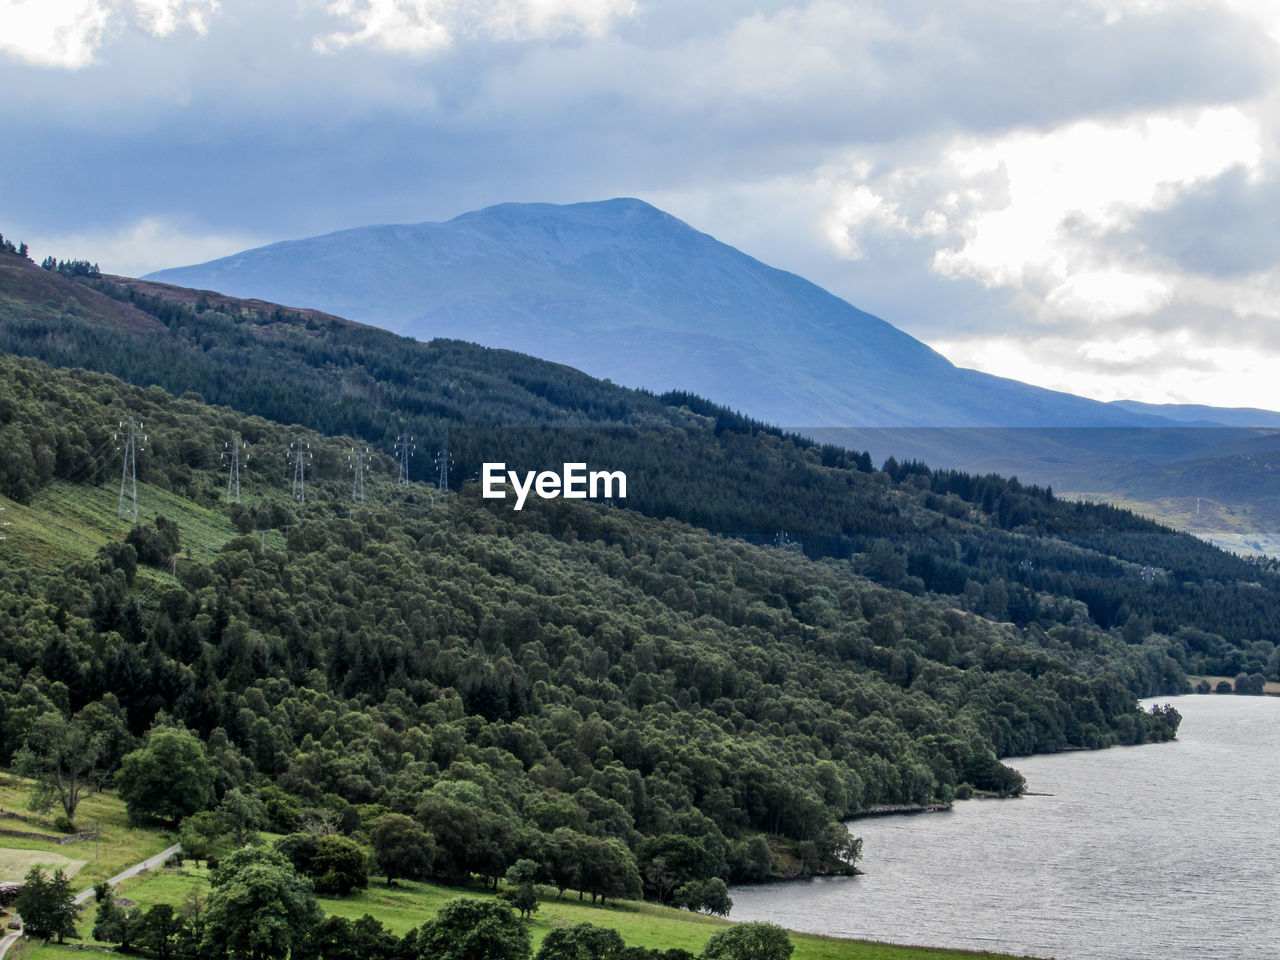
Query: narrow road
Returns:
{"type": "Point", "coordinates": [84, 896]}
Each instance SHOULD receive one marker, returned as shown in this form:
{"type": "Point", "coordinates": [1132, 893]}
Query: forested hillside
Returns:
{"type": "Point", "coordinates": [996, 547]}
{"type": "Point", "coordinates": [573, 683]}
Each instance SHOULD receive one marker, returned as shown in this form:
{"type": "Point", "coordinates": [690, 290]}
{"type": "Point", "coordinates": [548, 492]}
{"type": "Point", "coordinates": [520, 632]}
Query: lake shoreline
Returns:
{"type": "Point", "coordinates": [1094, 870]}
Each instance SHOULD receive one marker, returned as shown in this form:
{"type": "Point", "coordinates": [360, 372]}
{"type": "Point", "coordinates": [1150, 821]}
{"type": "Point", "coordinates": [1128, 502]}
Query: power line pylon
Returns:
{"type": "Point", "coordinates": [359, 460]}
{"type": "Point", "coordinates": [299, 455]}
{"type": "Point", "coordinates": [443, 462]}
{"type": "Point", "coordinates": [234, 454]}
{"type": "Point", "coordinates": [128, 439]}
{"type": "Point", "coordinates": [404, 452]}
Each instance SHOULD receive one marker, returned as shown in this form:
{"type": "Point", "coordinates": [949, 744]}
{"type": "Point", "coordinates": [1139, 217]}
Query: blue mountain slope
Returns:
{"type": "Point", "coordinates": [622, 290]}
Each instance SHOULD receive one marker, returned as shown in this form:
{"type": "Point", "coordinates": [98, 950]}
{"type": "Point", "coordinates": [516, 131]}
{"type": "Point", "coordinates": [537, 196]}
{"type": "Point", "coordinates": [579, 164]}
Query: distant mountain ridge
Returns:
{"type": "Point", "coordinates": [620, 289]}
{"type": "Point", "coordinates": [1197, 414]}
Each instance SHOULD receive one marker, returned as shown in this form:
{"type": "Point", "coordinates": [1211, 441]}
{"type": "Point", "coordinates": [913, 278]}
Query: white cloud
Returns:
{"type": "Point", "coordinates": [815, 49]}
{"type": "Point", "coordinates": [857, 208]}
{"type": "Point", "coordinates": [1181, 366]}
{"type": "Point", "coordinates": [1087, 177]}
{"type": "Point", "coordinates": [150, 243]}
{"type": "Point", "coordinates": [52, 33]}
{"type": "Point", "coordinates": [1029, 211]}
{"type": "Point", "coordinates": [424, 26]}
{"type": "Point", "coordinates": [1107, 294]}
{"type": "Point", "coordinates": [69, 33]}
{"type": "Point", "coordinates": [162, 17]}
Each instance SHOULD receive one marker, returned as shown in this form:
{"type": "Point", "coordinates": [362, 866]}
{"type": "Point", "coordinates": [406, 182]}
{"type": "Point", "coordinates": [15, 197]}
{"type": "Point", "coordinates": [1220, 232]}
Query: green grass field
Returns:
{"type": "Point", "coordinates": [14, 863]}
{"type": "Point", "coordinates": [68, 521]}
{"type": "Point", "coordinates": [118, 845]}
{"type": "Point", "coordinates": [409, 904]}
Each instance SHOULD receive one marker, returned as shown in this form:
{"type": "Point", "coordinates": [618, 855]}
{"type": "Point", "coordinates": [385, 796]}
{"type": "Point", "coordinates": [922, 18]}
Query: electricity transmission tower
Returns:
{"type": "Point", "coordinates": [443, 462]}
{"type": "Point", "coordinates": [404, 450]}
{"type": "Point", "coordinates": [128, 440]}
{"type": "Point", "coordinates": [359, 460]}
{"type": "Point", "coordinates": [234, 454]}
{"type": "Point", "coordinates": [299, 455]}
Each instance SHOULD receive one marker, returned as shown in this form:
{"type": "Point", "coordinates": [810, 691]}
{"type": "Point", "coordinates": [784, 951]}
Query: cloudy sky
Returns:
{"type": "Point", "coordinates": [1081, 194]}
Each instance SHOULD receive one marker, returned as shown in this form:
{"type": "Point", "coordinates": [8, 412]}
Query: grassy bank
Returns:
{"type": "Point", "coordinates": [118, 844]}
{"type": "Point", "coordinates": [408, 904]}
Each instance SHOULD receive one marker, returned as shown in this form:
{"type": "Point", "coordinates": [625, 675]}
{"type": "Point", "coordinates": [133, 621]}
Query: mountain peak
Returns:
{"type": "Point", "coordinates": [612, 210]}
{"type": "Point", "coordinates": [621, 289]}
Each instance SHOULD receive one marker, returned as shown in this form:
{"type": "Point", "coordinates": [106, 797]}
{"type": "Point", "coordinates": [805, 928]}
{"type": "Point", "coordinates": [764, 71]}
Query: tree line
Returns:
{"type": "Point", "coordinates": [260, 908]}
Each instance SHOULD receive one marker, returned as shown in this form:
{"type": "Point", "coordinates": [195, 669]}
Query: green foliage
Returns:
{"type": "Point", "coordinates": [259, 907]}
{"type": "Point", "coordinates": [161, 931]}
{"type": "Point", "coordinates": [60, 755]}
{"type": "Point", "coordinates": [116, 922]}
{"type": "Point", "coordinates": [716, 899]}
{"type": "Point", "coordinates": [672, 864]}
{"type": "Point", "coordinates": [240, 813]}
{"type": "Point", "coordinates": [155, 544]}
{"type": "Point", "coordinates": [522, 875]}
{"type": "Point", "coordinates": [47, 905]}
{"type": "Point", "coordinates": [582, 941]}
{"type": "Point", "coordinates": [401, 848]}
{"type": "Point", "coordinates": [337, 938]}
{"type": "Point", "coordinates": [299, 849]}
{"type": "Point", "coordinates": [204, 836]}
{"type": "Point", "coordinates": [749, 941]}
{"type": "Point", "coordinates": [169, 777]}
{"type": "Point", "coordinates": [711, 896]}
{"type": "Point", "coordinates": [523, 898]}
{"type": "Point", "coordinates": [339, 865]}
{"type": "Point", "coordinates": [470, 929]}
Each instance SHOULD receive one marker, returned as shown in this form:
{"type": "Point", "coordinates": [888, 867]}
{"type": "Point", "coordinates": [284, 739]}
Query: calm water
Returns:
{"type": "Point", "coordinates": [1161, 852]}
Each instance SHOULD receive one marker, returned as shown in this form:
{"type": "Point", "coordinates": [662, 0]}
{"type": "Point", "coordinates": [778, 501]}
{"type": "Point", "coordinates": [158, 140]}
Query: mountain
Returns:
{"type": "Point", "coordinates": [621, 290]}
{"type": "Point", "coordinates": [1200, 415]}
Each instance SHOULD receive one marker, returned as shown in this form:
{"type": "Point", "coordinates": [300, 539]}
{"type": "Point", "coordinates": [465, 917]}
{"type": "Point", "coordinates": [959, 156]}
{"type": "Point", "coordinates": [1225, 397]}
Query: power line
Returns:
{"type": "Point", "coordinates": [234, 453]}
{"type": "Point", "coordinates": [443, 462]}
{"type": "Point", "coordinates": [129, 470]}
{"type": "Point", "coordinates": [359, 460]}
{"type": "Point", "coordinates": [300, 455]}
{"type": "Point", "coordinates": [404, 451]}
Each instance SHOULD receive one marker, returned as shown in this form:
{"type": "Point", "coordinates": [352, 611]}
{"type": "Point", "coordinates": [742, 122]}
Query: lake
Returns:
{"type": "Point", "coordinates": [1166, 851]}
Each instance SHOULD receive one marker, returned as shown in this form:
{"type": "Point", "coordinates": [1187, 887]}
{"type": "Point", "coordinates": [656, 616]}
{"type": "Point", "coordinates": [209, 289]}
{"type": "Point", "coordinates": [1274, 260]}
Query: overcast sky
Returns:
{"type": "Point", "coordinates": [1081, 194]}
